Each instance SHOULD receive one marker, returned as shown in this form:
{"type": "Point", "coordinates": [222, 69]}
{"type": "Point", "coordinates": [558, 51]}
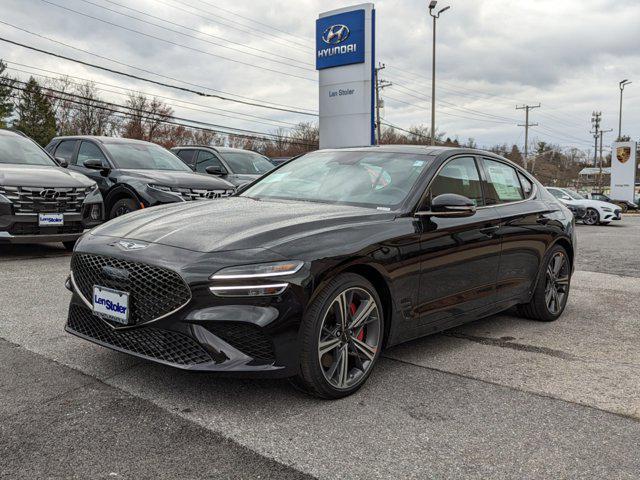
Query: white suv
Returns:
{"type": "Point", "coordinates": [598, 212]}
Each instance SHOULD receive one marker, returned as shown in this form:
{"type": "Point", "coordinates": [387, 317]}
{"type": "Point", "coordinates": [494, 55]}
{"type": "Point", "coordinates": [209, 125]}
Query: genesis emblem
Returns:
{"type": "Point", "coordinates": [335, 34]}
{"type": "Point", "coordinates": [126, 245]}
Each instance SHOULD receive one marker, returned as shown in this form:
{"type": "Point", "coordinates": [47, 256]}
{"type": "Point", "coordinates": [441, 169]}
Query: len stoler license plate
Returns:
{"type": "Point", "coordinates": [112, 304]}
{"type": "Point", "coordinates": [51, 219]}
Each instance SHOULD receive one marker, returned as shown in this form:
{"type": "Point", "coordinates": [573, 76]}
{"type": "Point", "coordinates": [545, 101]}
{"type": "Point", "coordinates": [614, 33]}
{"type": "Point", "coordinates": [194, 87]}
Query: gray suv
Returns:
{"type": "Point", "coordinates": [40, 200]}
{"type": "Point", "coordinates": [235, 165]}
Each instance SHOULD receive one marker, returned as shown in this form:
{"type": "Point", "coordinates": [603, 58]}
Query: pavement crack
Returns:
{"type": "Point", "coordinates": [507, 343]}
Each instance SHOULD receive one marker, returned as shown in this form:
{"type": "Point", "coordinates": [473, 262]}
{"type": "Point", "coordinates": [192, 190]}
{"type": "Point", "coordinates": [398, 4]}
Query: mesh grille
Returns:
{"type": "Point", "coordinates": [153, 291]}
{"type": "Point", "coordinates": [45, 200]}
{"type": "Point", "coordinates": [164, 345]}
{"type": "Point", "coordinates": [249, 339]}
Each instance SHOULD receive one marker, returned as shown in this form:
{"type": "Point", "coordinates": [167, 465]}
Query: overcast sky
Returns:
{"type": "Point", "coordinates": [569, 55]}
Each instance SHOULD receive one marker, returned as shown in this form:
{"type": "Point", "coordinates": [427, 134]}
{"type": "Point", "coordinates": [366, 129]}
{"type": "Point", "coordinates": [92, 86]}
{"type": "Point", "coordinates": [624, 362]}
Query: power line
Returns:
{"type": "Point", "coordinates": [187, 47]}
{"type": "Point", "coordinates": [195, 30]}
{"type": "Point", "coordinates": [207, 109]}
{"type": "Point", "coordinates": [136, 77]}
{"type": "Point", "coordinates": [112, 107]}
{"type": "Point", "coordinates": [203, 14]}
{"type": "Point", "coordinates": [255, 21]}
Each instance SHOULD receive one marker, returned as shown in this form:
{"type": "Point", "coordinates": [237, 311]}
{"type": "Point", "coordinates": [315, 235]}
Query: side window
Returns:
{"type": "Point", "coordinates": [459, 176]}
{"type": "Point", "coordinates": [89, 150]}
{"type": "Point", "coordinates": [556, 193]}
{"type": "Point", "coordinates": [527, 186]}
{"type": "Point", "coordinates": [503, 185]}
{"type": "Point", "coordinates": [65, 150]}
{"type": "Point", "coordinates": [187, 156]}
{"type": "Point", "coordinates": [207, 159]}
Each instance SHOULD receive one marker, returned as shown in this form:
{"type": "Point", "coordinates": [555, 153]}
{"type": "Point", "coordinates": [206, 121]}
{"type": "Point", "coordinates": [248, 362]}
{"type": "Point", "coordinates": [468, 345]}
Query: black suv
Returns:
{"type": "Point", "coordinates": [233, 164]}
{"type": "Point", "coordinates": [133, 174]}
{"type": "Point", "coordinates": [39, 200]}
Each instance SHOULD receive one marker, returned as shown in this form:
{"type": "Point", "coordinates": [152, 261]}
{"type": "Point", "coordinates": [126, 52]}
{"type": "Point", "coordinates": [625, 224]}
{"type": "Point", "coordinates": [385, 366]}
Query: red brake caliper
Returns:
{"type": "Point", "coordinates": [352, 309]}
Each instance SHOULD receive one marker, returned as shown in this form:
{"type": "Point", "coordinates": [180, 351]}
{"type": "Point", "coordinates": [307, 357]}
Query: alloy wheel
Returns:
{"type": "Point", "coordinates": [122, 210]}
{"type": "Point", "coordinates": [591, 217]}
{"type": "Point", "coordinates": [349, 338]}
{"type": "Point", "coordinates": [557, 287]}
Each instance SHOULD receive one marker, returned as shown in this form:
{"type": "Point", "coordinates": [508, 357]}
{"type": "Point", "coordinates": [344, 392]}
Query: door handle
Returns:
{"type": "Point", "coordinates": [490, 231]}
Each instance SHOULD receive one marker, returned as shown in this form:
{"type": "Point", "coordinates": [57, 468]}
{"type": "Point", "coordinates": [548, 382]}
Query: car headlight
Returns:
{"type": "Point", "coordinates": [162, 188]}
{"type": "Point", "coordinates": [234, 277]}
{"type": "Point", "coordinates": [607, 209]}
{"type": "Point", "coordinates": [259, 270]}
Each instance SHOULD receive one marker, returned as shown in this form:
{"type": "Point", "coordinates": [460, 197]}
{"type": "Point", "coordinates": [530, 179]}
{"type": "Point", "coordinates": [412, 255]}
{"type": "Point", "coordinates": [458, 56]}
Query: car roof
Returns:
{"type": "Point", "coordinates": [104, 139]}
{"type": "Point", "coordinates": [216, 148]}
{"type": "Point", "coordinates": [10, 133]}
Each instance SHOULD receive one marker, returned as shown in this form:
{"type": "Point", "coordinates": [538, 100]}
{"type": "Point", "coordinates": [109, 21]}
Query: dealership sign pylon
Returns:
{"type": "Point", "coordinates": [345, 59]}
{"type": "Point", "coordinates": [623, 170]}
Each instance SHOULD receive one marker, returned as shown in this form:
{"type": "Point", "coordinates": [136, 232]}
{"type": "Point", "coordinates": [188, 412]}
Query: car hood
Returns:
{"type": "Point", "coordinates": [41, 176]}
{"type": "Point", "coordinates": [591, 203]}
{"type": "Point", "coordinates": [236, 223]}
{"type": "Point", "coordinates": [179, 179]}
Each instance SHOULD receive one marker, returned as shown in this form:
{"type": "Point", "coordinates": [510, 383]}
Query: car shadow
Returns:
{"type": "Point", "coordinates": [25, 252]}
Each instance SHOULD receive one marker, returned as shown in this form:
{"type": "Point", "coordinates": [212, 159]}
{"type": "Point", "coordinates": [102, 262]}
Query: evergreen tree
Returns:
{"type": "Point", "coordinates": [6, 104]}
{"type": "Point", "coordinates": [35, 114]}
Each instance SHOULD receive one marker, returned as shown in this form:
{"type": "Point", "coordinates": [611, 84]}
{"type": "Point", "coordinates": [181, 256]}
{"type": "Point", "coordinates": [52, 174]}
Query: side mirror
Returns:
{"type": "Point", "coordinates": [62, 162]}
{"type": "Point", "coordinates": [215, 170]}
{"type": "Point", "coordinates": [566, 197]}
{"type": "Point", "coordinates": [96, 164]}
{"type": "Point", "coordinates": [450, 205]}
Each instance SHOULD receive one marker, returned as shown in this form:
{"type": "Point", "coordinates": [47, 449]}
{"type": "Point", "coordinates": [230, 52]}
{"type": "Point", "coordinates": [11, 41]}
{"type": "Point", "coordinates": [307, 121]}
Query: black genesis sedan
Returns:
{"type": "Point", "coordinates": [315, 268]}
{"type": "Point", "coordinates": [235, 165]}
{"type": "Point", "coordinates": [133, 174]}
{"type": "Point", "coordinates": [39, 200]}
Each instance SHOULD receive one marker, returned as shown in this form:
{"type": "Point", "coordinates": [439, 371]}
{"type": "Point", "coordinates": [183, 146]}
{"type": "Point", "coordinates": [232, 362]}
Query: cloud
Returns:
{"type": "Point", "coordinates": [492, 55]}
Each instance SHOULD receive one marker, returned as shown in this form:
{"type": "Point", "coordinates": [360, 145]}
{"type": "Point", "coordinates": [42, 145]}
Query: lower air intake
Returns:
{"type": "Point", "coordinates": [156, 344]}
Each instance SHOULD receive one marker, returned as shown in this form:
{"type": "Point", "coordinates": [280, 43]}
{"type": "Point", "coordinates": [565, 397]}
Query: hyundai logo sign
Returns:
{"type": "Point", "coordinates": [340, 39]}
{"type": "Point", "coordinates": [335, 34]}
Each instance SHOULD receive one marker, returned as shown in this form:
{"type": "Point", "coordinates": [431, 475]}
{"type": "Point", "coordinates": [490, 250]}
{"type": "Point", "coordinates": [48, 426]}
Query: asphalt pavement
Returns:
{"type": "Point", "coordinates": [499, 398]}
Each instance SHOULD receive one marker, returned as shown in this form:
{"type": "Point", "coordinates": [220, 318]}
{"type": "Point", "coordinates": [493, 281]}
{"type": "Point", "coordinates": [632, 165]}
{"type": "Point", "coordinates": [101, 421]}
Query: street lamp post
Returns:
{"type": "Point", "coordinates": [622, 84]}
{"type": "Point", "coordinates": [432, 6]}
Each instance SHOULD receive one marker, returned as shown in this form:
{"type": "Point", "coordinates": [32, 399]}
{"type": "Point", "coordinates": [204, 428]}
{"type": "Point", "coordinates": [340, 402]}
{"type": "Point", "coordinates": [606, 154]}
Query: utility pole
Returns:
{"type": "Point", "coordinates": [526, 126]}
{"type": "Point", "coordinates": [602, 132]}
{"type": "Point", "coordinates": [596, 117]}
{"type": "Point", "coordinates": [432, 6]}
{"type": "Point", "coordinates": [380, 85]}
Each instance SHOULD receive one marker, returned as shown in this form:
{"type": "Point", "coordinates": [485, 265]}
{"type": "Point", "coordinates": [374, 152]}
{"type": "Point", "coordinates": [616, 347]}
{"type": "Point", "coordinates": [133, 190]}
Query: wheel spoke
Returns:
{"type": "Point", "coordinates": [328, 345]}
{"type": "Point", "coordinates": [548, 297]}
{"type": "Point", "coordinates": [343, 370]}
{"type": "Point", "coordinates": [364, 311]}
{"type": "Point", "coordinates": [558, 261]}
{"type": "Point", "coordinates": [364, 348]}
{"type": "Point", "coordinates": [562, 280]}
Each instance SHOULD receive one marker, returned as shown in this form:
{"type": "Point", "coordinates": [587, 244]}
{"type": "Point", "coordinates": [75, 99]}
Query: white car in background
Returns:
{"type": "Point", "coordinates": [598, 212]}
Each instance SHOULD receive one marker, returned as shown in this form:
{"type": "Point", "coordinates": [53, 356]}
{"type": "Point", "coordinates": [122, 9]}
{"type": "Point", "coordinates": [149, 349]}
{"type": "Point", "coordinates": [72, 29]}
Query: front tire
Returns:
{"type": "Point", "coordinates": [592, 217]}
{"type": "Point", "coordinates": [341, 338]}
{"type": "Point", "coordinates": [122, 207]}
{"type": "Point", "coordinates": [552, 289]}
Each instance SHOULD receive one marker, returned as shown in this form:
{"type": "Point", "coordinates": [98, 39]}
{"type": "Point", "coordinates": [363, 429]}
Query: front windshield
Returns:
{"type": "Point", "coordinates": [574, 195]}
{"type": "Point", "coordinates": [22, 151]}
{"type": "Point", "coordinates": [249, 163]}
{"type": "Point", "coordinates": [365, 178]}
{"type": "Point", "coordinates": [145, 156]}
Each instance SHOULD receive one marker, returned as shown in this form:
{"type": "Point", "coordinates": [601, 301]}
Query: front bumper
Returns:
{"type": "Point", "coordinates": [21, 229]}
{"type": "Point", "coordinates": [242, 337]}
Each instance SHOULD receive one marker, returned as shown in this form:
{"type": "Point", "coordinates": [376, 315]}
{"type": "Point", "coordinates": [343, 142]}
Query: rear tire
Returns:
{"type": "Point", "coordinates": [122, 207]}
{"type": "Point", "coordinates": [552, 288]}
{"type": "Point", "coordinates": [340, 338]}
